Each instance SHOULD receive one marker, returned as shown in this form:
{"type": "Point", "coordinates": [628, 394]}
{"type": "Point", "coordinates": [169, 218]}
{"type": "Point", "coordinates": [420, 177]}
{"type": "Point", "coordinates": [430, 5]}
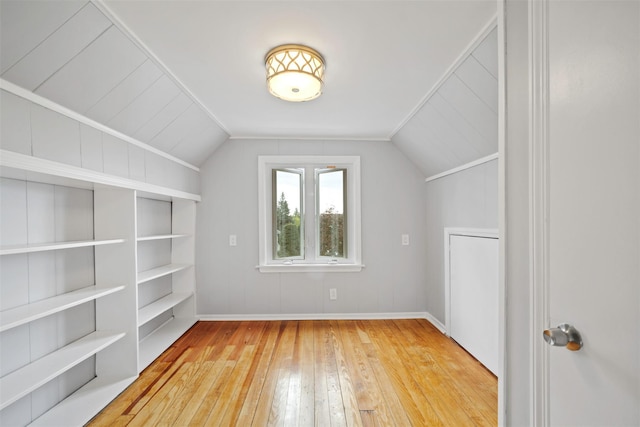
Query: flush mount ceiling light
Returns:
{"type": "Point", "coordinates": [294, 72]}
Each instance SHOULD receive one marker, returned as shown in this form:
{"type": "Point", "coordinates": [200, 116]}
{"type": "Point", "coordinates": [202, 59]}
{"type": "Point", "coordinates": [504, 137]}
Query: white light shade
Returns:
{"type": "Point", "coordinates": [294, 72]}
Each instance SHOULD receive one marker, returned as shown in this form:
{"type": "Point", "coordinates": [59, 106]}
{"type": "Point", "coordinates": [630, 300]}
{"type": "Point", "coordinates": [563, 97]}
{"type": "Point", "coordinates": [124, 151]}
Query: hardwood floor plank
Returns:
{"type": "Point", "coordinates": [200, 395]}
{"type": "Point", "coordinates": [231, 389]}
{"type": "Point", "coordinates": [284, 363]}
{"type": "Point", "coordinates": [255, 381]}
{"type": "Point", "coordinates": [309, 373]}
{"type": "Point", "coordinates": [321, 368]}
{"type": "Point", "coordinates": [334, 391]}
{"type": "Point", "coordinates": [390, 354]}
{"type": "Point", "coordinates": [347, 389]}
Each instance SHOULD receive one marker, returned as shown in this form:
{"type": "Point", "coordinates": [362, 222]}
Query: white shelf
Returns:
{"type": "Point", "coordinates": [80, 407]}
{"type": "Point", "coordinates": [160, 237]}
{"type": "Point", "coordinates": [23, 381]}
{"type": "Point", "coordinates": [158, 307]}
{"type": "Point", "coordinates": [154, 344]}
{"type": "Point", "coordinates": [21, 166]}
{"type": "Point", "coordinates": [154, 273]}
{"type": "Point", "coordinates": [39, 247]}
{"type": "Point", "coordinates": [29, 312]}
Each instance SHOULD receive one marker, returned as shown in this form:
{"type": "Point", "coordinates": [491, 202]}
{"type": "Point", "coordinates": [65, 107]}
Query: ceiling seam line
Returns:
{"type": "Point", "coordinates": [484, 32]}
{"type": "Point", "coordinates": [45, 39]}
{"type": "Point", "coordinates": [131, 36]}
{"type": "Point", "coordinates": [72, 58]}
{"type": "Point", "coordinates": [118, 84]}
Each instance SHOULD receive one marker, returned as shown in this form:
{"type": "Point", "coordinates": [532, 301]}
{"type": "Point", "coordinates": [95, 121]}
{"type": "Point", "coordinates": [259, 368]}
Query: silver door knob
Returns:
{"type": "Point", "coordinates": [564, 335]}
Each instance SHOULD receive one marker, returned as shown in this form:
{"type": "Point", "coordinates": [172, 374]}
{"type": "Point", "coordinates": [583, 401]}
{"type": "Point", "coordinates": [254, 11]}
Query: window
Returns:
{"type": "Point", "coordinates": [309, 213]}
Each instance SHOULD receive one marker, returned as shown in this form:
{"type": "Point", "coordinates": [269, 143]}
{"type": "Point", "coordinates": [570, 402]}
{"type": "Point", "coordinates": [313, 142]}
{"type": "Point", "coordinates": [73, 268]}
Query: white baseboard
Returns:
{"type": "Point", "coordinates": [318, 316]}
{"type": "Point", "coordinates": [435, 322]}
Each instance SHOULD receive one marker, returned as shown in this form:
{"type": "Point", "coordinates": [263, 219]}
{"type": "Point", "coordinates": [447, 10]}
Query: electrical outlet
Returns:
{"type": "Point", "coordinates": [333, 294]}
{"type": "Point", "coordinates": [233, 240]}
{"type": "Point", "coordinates": [405, 239]}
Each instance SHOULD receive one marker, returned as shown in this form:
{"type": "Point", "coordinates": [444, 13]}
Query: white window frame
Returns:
{"type": "Point", "coordinates": [312, 263]}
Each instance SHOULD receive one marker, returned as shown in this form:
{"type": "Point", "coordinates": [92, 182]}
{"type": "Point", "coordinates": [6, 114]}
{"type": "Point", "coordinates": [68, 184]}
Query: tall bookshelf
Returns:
{"type": "Point", "coordinates": [76, 323]}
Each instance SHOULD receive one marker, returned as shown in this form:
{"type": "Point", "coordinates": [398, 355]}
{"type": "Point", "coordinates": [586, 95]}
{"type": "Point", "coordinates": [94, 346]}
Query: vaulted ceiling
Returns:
{"type": "Point", "coordinates": [183, 76]}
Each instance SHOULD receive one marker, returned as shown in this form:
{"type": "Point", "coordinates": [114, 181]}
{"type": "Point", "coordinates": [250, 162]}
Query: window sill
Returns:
{"type": "Point", "coordinates": [310, 268]}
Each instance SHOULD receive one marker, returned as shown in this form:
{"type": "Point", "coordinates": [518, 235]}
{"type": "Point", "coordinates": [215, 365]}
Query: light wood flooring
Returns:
{"type": "Point", "coordinates": [310, 373]}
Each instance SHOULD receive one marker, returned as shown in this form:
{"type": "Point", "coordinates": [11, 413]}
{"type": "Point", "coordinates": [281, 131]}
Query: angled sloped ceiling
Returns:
{"type": "Point", "coordinates": [458, 122]}
{"type": "Point", "coordinates": [72, 54]}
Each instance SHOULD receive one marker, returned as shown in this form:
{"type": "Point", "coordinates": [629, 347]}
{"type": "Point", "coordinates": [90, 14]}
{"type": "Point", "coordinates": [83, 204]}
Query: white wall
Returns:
{"type": "Point", "coordinates": [394, 279]}
{"type": "Point", "coordinates": [464, 199]}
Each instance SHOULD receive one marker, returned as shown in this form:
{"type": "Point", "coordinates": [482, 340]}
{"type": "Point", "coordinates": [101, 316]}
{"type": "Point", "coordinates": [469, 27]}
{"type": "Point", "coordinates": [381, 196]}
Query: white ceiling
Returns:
{"type": "Point", "coordinates": [185, 75]}
{"type": "Point", "coordinates": [382, 57]}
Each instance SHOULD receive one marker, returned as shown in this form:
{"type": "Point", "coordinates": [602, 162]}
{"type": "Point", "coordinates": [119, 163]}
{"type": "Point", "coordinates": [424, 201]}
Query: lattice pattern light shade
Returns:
{"type": "Point", "coordinates": [294, 72]}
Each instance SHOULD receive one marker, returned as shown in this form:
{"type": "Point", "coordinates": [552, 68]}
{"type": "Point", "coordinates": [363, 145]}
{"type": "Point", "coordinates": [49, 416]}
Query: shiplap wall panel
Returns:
{"type": "Point", "coordinates": [164, 117]}
{"type": "Point", "coordinates": [47, 134]}
{"type": "Point", "coordinates": [125, 92]}
{"type": "Point", "coordinates": [434, 143]}
{"type": "Point", "coordinates": [458, 123]}
{"type": "Point", "coordinates": [15, 123]}
{"type": "Point", "coordinates": [410, 140]}
{"type": "Point", "coordinates": [91, 148]}
{"type": "Point", "coordinates": [145, 106]}
{"type": "Point", "coordinates": [480, 81]}
{"type": "Point", "coordinates": [153, 253]}
{"type": "Point", "coordinates": [194, 120]}
{"type": "Point", "coordinates": [41, 268]}
{"type": "Point", "coordinates": [14, 349]}
{"type": "Point", "coordinates": [25, 24]}
{"type": "Point", "coordinates": [74, 269]}
{"type": "Point", "coordinates": [59, 48]}
{"type": "Point", "coordinates": [487, 53]}
{"type": "Point", "coordinates": [41, 203]}
{"type": "Point", "coordinates": [449, 138]}
{"type": "Point", "coordinates": [54, 136]}
{"type": "Point", "coordinates": [91, 74]}
{"type": "Point", "coordinates": [158, 170]}
{"type": "Point", "coordinates": [479, 143]}
{"type": "Point", "coordinates": [136, 163]}
{"type": "Point", "coordinates": [471, 107]}
{"type": "Point", "coordinates": [115, 156]}
{"type": "Point", "coordinates": [154, 217]}
{"type": "Point", "coordinates": [13, 200]}
{"type": "Point", "coordinates": [14, 290]}
{"type": "Point", "coordinates": [200, 146]}
{"type": "Point", "coordinates": [43, 337]}
{"type": "Point", "coordinates": [73, 210]}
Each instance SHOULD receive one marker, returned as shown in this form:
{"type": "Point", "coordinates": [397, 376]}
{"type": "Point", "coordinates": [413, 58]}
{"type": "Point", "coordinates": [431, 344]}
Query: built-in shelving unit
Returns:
{"type": "Point", "coordinates": [91, 293]}
{"type": "Point", "coordinates": [165, 279]}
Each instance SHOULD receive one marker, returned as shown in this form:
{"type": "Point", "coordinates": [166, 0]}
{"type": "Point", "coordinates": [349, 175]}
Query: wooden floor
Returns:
{"type": "Point", "coordinates": [306, 373]}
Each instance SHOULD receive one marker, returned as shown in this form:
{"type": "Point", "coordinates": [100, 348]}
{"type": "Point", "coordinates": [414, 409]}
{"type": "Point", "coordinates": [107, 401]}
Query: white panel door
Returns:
{"type": "Point", "coordinates": [473, 270]}
{"type": "Point", "coordinates": [594, 216]}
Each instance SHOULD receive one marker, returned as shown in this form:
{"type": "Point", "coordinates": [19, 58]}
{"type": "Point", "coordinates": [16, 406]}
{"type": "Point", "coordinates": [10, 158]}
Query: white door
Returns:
{"type": "Point", "coordinates": [594, 210]}
{"type": "Point", "coordinates": [473, 270]}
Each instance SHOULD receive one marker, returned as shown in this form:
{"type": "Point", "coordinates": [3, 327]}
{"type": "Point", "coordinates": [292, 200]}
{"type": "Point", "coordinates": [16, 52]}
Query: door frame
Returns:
{"type": "Point", "coordinates": [539, 203]}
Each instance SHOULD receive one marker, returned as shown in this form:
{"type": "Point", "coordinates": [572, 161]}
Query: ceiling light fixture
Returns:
{"type": "Point", "coordinates": [294, 72]}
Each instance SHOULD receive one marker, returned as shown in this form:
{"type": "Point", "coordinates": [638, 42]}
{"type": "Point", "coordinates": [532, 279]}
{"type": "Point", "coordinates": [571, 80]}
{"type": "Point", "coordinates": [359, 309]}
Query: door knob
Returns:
{"type": "Point", "coordinates": [564, 335]}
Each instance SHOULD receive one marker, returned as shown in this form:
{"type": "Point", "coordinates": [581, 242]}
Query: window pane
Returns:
{"type": "Point", "coordinates": [287, 211]}
{"type": "Point", "coordinates": [332, 212]}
